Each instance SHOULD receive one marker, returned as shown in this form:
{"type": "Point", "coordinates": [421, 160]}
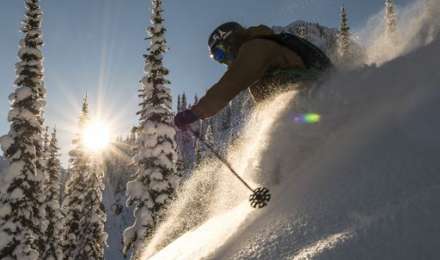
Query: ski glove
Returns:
{"type": "Point", "coordinates": [184, 118]}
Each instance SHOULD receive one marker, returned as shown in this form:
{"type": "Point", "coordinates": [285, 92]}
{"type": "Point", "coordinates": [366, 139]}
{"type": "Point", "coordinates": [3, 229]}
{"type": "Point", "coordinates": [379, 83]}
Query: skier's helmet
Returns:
{"type": "Point", "coordinates": [218, 41]}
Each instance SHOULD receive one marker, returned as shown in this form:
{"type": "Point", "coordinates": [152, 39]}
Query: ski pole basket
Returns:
{"type": "Point", "coordinates": [260, 198]}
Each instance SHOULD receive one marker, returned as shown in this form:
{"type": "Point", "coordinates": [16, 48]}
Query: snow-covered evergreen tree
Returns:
{"type": "Point", "coordinates": [390, 19]}
{"type": "Point", "coordinates": [84, 235]}
{"type": "Point", "coordinates": [196, 99]}
{"type": "Point", "coordinates": [53, 250]}
{"type": "Point", "coordinates": [93, 239]}
{"type": "Point", "coordinates": [155, 179]}
{"type": "Point", "coordinates": [344, 35]}
{"type": "Point", "coordinates": [184, 102]}
{"type": "Point", "coordinates": [202, 151]}
{"type": "Point", "coordinates": [46, 143]}
{"type": "Point", "coordinates": [21, 216]}
{"type": "Point", "coordinates": [179, 103]}
{"type": "Point", "coordinates": [301, 31]}
{"type": "Point", "coordinates": [180, 164]}
{"type": "Point", "coordinates": [76, 187]}
{"type": "Point", "coordinates": [131, 138]}
{"type": "Point", "coordinates": [45, 155]}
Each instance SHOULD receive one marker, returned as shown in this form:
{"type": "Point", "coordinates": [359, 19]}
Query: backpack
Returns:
{"type": "Point", "coordinates": [312, 56]}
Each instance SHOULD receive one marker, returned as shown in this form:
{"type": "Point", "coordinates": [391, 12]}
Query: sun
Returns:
{"type": "Point", "coordinates": [96, 136]}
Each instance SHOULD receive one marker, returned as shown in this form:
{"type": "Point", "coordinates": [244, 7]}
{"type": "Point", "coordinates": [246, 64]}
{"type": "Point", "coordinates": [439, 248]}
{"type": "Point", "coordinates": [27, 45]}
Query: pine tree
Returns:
{"type": "Point", "coordinates": [22, 218]}
{"type": "Point", "coordinates": [344, 35]}
{"type": "Point", "coordinates": [179, 103]}
{"type": "Point", "coordinates": [196, 99]}
{"type": "Point", "coordinates": [133, 135]}
{"type": "Point", "coordinates": [46, 143]}
{"type": "Point", "coordinates": [76, 187]}
{"type": "Point", "coordinates": [184, 104]}
{"type": "Point", "coordinates": [301, 31]}
{"type": "Point", "coordinates": [156, 156]}
{"type": "Point", "coordinates": [45, 154]}
{"type": "Point", "coordinates": [84, 213]}
{"type": "Point", "coordinates": [54, 215]}
{"type": "Point", "coordinates": [390, 19]}
{"type": "Point", "coordinates": [202, 151]}
{"type": "Point", "coordinates": [93, 239]}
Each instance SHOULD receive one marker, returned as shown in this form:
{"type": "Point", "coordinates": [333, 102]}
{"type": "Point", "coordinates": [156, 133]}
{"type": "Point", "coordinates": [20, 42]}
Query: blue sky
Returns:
{"type": "Point", "coordinates": [96, 46]}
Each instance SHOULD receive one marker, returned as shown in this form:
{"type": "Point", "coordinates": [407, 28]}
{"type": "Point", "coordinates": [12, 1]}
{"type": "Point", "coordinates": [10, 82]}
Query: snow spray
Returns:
{"type": "Point", "coordinates": [210, 190]}
{"type": "Point", "coordinates": [260, 196]}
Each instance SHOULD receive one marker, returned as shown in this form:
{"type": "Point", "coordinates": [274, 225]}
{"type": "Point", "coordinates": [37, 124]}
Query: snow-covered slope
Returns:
{"type": "Point", "coordinates": [363, 183]}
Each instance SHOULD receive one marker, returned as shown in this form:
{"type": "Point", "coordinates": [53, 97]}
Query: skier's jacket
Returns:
{"type": "Point", "coordinates": [264, 62]}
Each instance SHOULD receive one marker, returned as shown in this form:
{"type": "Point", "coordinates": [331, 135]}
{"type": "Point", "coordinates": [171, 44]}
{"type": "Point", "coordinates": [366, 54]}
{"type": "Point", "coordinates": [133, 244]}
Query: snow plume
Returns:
{"type": "Point", "coordinates": [418, 25]}
{"type": "Point", "coordinates": [213, 189]}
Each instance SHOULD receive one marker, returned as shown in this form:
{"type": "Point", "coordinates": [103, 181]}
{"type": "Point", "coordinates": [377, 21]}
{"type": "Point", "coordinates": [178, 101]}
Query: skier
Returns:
{"type": "Point", "coordinates": [257, 59]}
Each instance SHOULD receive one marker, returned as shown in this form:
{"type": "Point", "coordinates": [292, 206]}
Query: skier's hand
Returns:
{"type": "Point", "coordinates": [184, 118]}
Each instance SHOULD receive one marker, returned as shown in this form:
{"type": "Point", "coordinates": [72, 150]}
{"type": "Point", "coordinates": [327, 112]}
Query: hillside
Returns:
{"type": "Point", "coordinates": [361, 184]}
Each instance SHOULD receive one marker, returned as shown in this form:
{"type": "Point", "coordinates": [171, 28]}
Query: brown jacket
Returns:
{"type": "Point", "coordinates": [255, 58]}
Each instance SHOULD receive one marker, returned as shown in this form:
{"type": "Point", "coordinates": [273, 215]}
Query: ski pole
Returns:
{"type": "Point", "coordinates": [223, 160]}
{"type": "Point", "coordinates": [259, 197]}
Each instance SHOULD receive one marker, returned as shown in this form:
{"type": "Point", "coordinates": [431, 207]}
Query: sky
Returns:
{"type": "Point", "coordinates": [96, 47]}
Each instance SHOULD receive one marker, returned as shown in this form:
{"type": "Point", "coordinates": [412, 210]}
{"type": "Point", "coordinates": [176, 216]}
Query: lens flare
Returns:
{"type": "Point", "coordinates": [309, 118]}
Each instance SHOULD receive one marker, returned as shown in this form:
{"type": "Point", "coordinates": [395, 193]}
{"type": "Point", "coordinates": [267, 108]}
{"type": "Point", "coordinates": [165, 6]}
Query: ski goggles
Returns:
{"type": "Point", "coordinates": [219, 53]}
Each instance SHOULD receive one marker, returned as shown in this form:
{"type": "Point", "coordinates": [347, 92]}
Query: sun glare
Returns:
{"type": "Point", "coordinates": [96, 136]}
